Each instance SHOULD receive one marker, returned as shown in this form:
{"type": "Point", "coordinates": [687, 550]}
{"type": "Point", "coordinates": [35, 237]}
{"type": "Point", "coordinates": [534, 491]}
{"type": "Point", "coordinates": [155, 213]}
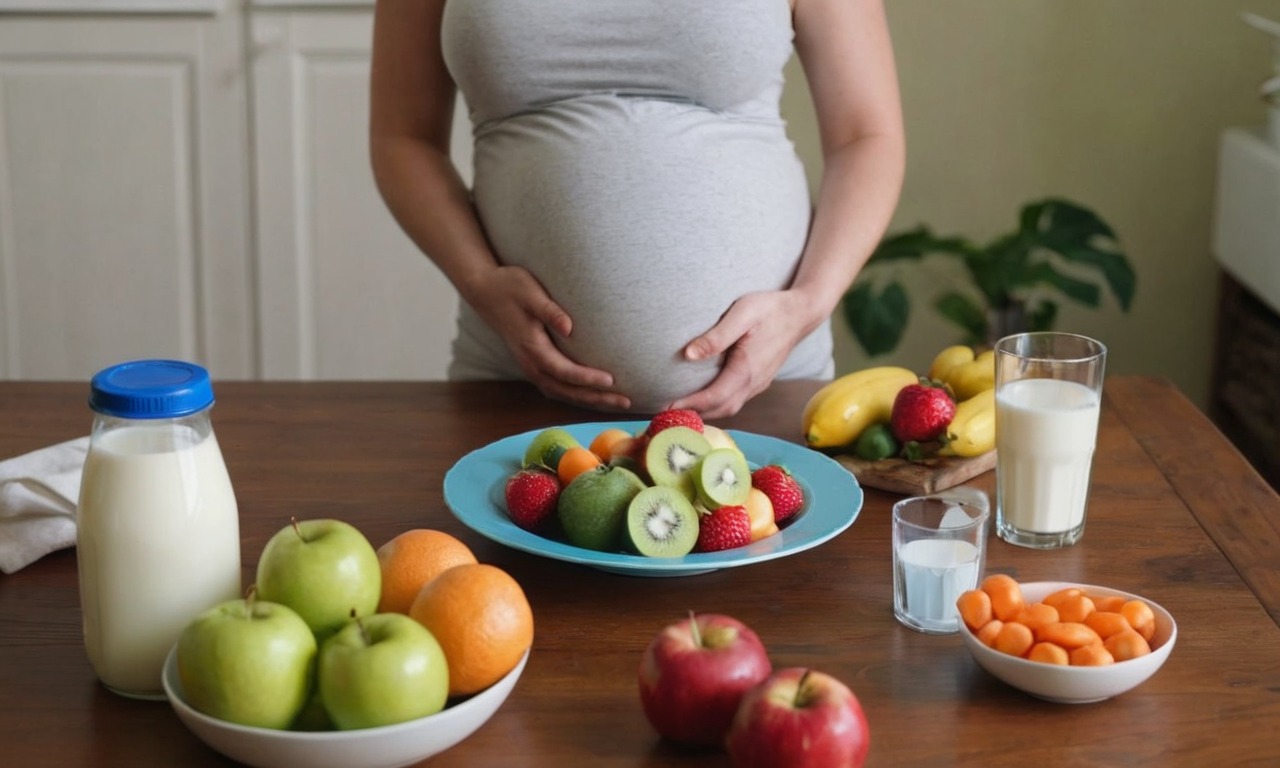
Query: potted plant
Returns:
{"type": "Point", "coordinates": [1014, 277]}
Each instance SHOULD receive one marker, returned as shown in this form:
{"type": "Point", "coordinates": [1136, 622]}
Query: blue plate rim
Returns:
{"type": "Point", "coordinates": [473, 489]}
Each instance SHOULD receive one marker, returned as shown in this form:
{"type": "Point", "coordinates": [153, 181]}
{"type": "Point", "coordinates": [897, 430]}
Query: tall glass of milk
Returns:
{"type": "Point", "coordinates": [939, 547]}
{"type": "Point", "coordinates": [157, 527]}
{"type": "Point", "coordinates": [1048, 397]}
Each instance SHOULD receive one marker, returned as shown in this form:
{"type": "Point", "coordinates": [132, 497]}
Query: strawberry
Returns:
{"type": "Point", "coordinates": [531, 497]}
{"type": "Point", "coordinates": [677, 417]}
{"type": "Point", "coordinates": [782, 489]}
{"type": "Point", "coordinates": [921, 412]}
{"type": "Point", "coordinates": [723, 528]}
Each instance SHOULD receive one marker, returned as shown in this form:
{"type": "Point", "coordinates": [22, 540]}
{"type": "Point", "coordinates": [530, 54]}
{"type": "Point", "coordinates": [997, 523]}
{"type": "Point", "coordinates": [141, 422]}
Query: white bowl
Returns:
{"type": "Point", "coordinates": [388, 746]}
{"type": "Point", "coordinates": [1076, 685]}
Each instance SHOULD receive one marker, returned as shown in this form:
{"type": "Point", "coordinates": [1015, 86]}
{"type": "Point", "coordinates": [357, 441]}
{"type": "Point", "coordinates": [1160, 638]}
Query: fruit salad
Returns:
{"type": "Point", "coordinates": [677, 486]}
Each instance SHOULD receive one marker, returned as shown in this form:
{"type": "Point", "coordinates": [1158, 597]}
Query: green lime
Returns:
{"type": "Point", "coordinates": [875, 443]}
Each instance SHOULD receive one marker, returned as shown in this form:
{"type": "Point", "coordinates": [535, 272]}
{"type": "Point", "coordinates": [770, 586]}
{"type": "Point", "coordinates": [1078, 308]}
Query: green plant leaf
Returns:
{"type": "Point", "coordinates": [877, 320]}
{"type": "Point", "coordinates": [1115, 269]}
{"type": "Point", "coordinates": [962, 311]}
{"type": "Point", "coordinates": [1064, 220]}
{"type": "Point", "coordinates": [916, 244]}
{"type": "Point", "coordinates": [1079, 290]}
{"type": "Point", "coordinates": [1042, 315]}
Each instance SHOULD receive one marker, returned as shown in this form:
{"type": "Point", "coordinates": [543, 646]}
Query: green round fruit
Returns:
{"type": "Point", "coordinates": [875, 443]}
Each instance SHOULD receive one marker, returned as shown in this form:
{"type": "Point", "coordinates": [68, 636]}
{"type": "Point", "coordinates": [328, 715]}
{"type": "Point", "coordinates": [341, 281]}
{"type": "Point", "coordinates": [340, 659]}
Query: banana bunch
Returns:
{"type": "Point", "coordinates": [972, 378]}
{"type": "Point", "coordinates": [843, 408]}
{"type": "Point", "coordinates": [846, 408]}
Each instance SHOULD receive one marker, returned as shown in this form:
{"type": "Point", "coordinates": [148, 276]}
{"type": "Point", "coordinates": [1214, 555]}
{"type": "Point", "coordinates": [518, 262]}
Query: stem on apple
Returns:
{"type": "Point", "coordinates": [250, 595]}
{"type": "Point", "coordinates": [802, 697]}
{"type": "Point", "coordinates": [694, 631]}
{"type": "Point", "coordinates": [293, 523]}
{"type": "Point", "coordinates": [364, 633]}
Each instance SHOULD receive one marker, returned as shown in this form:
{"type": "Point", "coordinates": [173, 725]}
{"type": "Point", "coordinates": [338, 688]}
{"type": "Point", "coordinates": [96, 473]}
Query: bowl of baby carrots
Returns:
{"type": "Point", "coordinates": [1069, 643]}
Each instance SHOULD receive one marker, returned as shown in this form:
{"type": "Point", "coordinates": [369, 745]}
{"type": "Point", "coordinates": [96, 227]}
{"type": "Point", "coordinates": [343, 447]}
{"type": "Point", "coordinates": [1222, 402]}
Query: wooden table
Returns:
{"type": "Point", "coordinates": [1175, 514]}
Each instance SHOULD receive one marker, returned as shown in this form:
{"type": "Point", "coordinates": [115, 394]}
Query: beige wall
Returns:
{"type": "Point", "coordinates": [1117, 104]}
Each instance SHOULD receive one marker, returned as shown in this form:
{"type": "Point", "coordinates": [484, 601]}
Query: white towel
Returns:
{"type": "Point", "coordinates": [38, 496]}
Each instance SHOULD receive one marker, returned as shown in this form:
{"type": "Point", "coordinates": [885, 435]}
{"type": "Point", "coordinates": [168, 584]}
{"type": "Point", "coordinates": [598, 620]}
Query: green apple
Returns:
{"type": "Point", "coordinates": [248, 661]}
{"type": "Point", "coordinates": [380, 670]}
{"type": "Point", "coordinates": [324, 570]}
{"type": "Point", "coordinates": [592, 508]}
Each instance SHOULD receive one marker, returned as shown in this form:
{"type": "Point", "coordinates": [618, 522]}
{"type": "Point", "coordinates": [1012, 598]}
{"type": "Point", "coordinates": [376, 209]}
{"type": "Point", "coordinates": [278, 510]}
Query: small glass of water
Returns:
{"type": "Point", "coordinates": [939, 549]}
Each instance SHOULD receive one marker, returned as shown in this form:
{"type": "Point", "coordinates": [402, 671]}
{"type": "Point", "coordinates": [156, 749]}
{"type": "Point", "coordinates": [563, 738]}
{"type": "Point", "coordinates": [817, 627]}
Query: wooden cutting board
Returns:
{"type": "Point", "coordinates": [918, 477]}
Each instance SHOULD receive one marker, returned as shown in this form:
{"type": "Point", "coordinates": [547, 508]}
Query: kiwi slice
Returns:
{"type": "Point", "coordinates": [671, 457]}
{"type": "Point", "coordinates": [722, 478]}
{"type": "Point", "coordinates": [662, 522]}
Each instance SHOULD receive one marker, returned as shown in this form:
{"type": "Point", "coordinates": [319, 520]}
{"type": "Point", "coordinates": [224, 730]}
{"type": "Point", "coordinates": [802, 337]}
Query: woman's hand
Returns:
{"type": "Point", "coordinates": [518, 308]}
{"type": "Point", "coordinates": [755, 336]}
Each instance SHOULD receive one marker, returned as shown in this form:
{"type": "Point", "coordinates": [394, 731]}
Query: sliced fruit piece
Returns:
{"type": "Point", "coordinates": [722, 478]}
{"type": "Point", "coordinates": [672, 455]}
{"type": "Point", "coordinates": [662, 522]}
{"type": "Point", "coordinates": [760, 510]}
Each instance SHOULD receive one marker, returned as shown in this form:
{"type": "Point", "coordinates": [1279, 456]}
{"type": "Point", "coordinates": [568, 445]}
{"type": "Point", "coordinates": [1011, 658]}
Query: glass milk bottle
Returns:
{"type": "Point", "coordinates": [158, 531]}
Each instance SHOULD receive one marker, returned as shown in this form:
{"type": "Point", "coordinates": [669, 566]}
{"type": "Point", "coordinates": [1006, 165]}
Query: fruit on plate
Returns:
{"type": "Point", "coordinates": [676, 417]}
{"type": "Point", "coordinates": [593, 508]}
{"type": "Point", "coordinates": [671, 456]}
{"type": "Point", "coordinates": [545, 448]}
{"type": "Point", "coordinates": [718, 437]}
{"type": "Point", "coordinates": [480, 616]}
{"type": "Point", "coordinates": [723, 528]}
{"type": "Point", "coordinates": [323, 569]}
{"type": "Point", "coordinates": [722, 478]}
{"type": "Point", "coordinates": [248, 661]}
{"type": "Point", "coordinates": [799, 717]}
{"type": "Point", "coordinates": [760, 511]}
{"type": "Point", "coordinates": [411, 559]}
{"type": "Point", "coordinates": [693, 674]}
{"type": "Point", "coordinates": [381, 670]}
{"type": "Point", "coordinates": [921, 412]}
{"type": "Point", "coordinates": [662, 522]}
{"type": "Point", "coordinates": [782, 488]}
{"type": "Point", "coordinates": [838, 412]}
{"type": "Point", "coordinates": [532, 495]}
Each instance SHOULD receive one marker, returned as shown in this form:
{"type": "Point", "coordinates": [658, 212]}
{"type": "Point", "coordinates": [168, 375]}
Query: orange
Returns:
{"type": "Point", "coordinates": [482, 620]}
{"type": "Point", "coordinates": [603, 444]}
{"type": "Point", "coordinates": [574, 462]}
{"type": "Point", "coordinates": [413, 558]}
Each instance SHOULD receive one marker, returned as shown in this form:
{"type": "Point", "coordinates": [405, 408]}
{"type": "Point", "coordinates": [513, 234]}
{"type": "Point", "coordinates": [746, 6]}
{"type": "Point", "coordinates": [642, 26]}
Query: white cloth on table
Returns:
{"type": "Point", "coordinates": [38, 495]}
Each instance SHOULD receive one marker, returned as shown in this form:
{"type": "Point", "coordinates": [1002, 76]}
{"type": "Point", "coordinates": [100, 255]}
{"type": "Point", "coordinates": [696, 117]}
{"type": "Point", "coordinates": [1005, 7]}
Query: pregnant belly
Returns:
{"type": "Point", "coordinates": [645, 220]}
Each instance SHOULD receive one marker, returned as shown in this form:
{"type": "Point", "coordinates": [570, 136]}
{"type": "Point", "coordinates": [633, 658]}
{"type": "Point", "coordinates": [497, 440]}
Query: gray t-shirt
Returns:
{"type": "Point", "coordinates": [631, 155]}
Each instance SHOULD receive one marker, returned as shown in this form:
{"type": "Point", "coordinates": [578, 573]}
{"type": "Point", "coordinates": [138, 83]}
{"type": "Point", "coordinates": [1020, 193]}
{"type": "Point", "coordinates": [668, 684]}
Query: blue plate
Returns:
{"type": "Point", "coordinates": [474, 492]}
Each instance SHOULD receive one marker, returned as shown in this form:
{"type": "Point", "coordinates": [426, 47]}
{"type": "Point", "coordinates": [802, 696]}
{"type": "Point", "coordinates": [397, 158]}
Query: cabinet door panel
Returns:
{"type": "Point", "coordinates": [343, 292]}
{"type": "Point", "coordinates": [123, 222]}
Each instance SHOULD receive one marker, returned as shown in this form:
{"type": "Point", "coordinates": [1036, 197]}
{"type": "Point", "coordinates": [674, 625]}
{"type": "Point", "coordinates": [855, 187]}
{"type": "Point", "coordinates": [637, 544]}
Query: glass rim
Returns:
{"type": "Point", "coordinates": [1004, 346]}
{"type": "Point", "coordinates": [983, 514]}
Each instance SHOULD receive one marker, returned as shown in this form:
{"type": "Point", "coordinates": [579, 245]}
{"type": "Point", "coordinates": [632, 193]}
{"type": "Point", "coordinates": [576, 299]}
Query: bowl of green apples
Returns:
{"type": "Point", "coordinates": [387, 746]}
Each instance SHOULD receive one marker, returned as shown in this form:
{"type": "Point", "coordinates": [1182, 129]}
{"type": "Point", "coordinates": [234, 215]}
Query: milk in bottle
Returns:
{"type": "Point", "coordinates": [158, 535]}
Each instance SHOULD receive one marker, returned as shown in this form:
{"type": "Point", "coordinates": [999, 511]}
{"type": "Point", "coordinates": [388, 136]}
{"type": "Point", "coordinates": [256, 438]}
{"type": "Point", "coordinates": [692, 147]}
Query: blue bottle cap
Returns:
{"type": "Point", "coordinates": [151, 389]}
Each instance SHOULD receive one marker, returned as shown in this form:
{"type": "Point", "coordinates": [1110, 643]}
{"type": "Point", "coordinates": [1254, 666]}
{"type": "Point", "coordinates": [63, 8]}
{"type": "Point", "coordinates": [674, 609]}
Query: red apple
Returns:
{"type": "Point", "coordinates": [693, 676]}
{"type": "Point", "coordinates": [799, 718]}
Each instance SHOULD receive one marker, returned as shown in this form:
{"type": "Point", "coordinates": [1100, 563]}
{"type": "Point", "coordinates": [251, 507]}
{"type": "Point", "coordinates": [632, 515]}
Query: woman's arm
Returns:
{"type": "Point", "coordinates": [411, 114]}
{"type": "Point", "coordinates": [847, 55]}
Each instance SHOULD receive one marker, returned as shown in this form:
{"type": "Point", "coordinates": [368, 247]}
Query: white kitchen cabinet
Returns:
{"type": "Point", "coordinates": [124, 175]}
{"type": "Point", "coordinates": [195, 183]}
{"type": "Point", "coordinates": [342, 292]}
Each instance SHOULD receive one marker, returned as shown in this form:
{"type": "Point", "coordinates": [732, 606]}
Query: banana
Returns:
{"type": "Point", "coordinates": [971, 378]}
{"type": "Point", "coordinates": [972, 431]}
{"type": "Point", "coordinates": [947, 360]}
{"type": "Point", "coordinates": [837, 413]}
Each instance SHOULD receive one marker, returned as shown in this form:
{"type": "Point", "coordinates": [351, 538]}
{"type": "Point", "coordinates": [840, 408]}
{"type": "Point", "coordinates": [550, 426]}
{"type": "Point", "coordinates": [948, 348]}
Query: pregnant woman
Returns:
{"type": "Point", "coordinates": [640, 233]}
